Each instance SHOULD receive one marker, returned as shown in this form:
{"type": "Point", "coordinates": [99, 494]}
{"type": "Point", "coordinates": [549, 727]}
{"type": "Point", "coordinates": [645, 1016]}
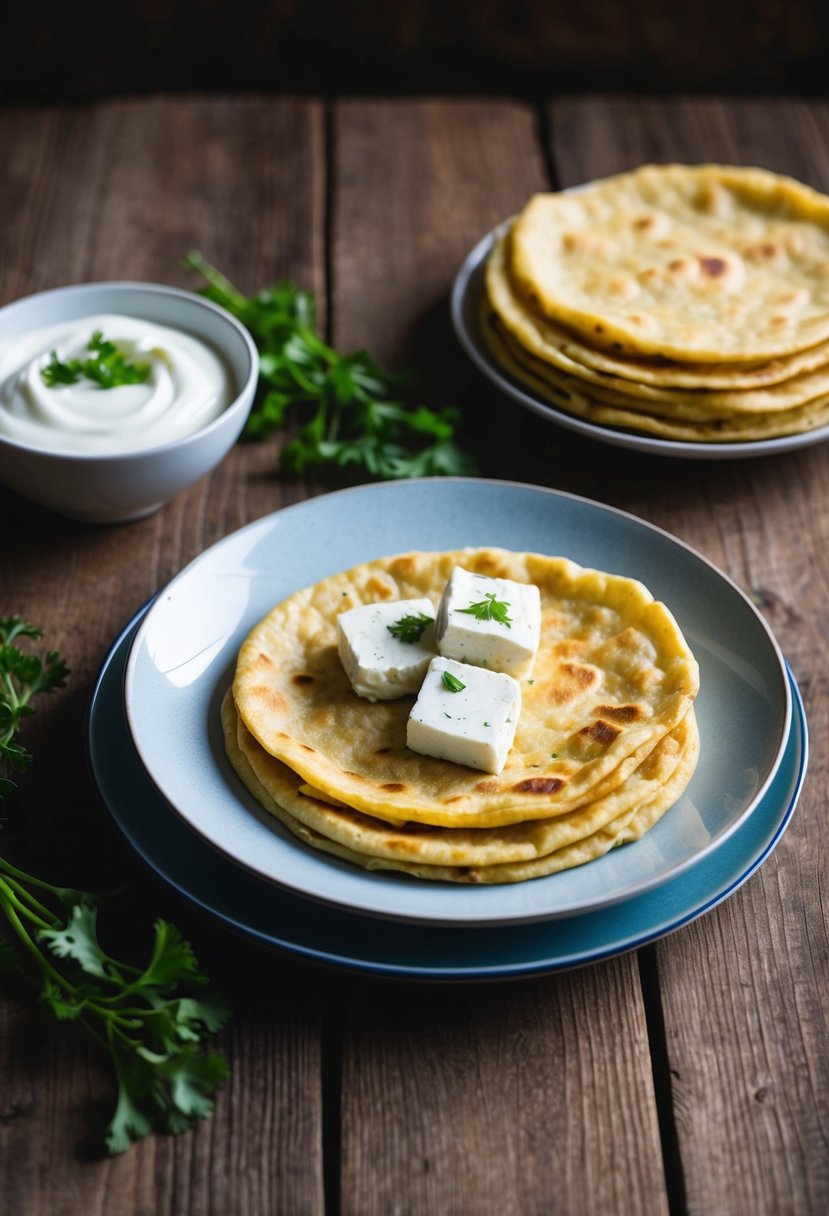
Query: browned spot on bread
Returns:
{"type": "Point", "coordinates": [273, 699]}
{"type": "Point", "coordinates": [487, 787]}
{"type": "Point", "coordinates": [713, 267]}
{"type": "Point", "coordinates": [766, 251]}
{"type": "Point", "coordinates": [306, 747]}
{"type": "Point", "coordinates": [599, 329]}
{"type": "Point", "coordinates": [454, 798]}
{"type": "Point", "coordinates": [601, 731]}
{"type": "Point", "coordinates": [569, 682]}
{"type": "Point", "coordinates": [264, 660]}
{"type": "Point", "coordinates": [621, 713]}
{"type": "Point", "coordinates": [538, 785]}
{"type": "Point", "coordinates": [489, 564]}
{"type": "Point", "coordinates": [644, 222]}
{"type": "Point", "coordinates": [376, 587]}
{"type": "Point", "coordinates": [301, 679]}
{"type": "Point", "coordinates": [356, 776]}
{"type": "Point", "coordinates": [392, 785]}
{"type": "Point", "coordinates": [581, 675]}
{"type": "Point", "coordinates": [381, 751]}
{"type": "Point", "coordinates": [403, 565]}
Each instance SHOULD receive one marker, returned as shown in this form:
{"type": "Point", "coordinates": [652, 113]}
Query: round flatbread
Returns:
{"type": "Point", "coordinates": [704, 263]}
{"type": "Point", "coordinates": [637, 416]}
{"type": "Point", "coordinates": [613, 676]}
{"type": "Point", "coordinates": [498, 855]}
{"type": "Point", "coordinates": [700, 401]}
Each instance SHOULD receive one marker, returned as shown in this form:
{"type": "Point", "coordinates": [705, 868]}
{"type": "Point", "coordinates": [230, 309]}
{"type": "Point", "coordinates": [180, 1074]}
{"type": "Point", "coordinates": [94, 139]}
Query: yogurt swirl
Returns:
{"type": "Point", "coordinates": [187, 387]}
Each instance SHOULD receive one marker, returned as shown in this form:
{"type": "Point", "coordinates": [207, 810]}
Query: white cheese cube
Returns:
{"type": "Point", "coordinates": [474, 725]}
{"type": "Point", "coordinates": [379, 664]}
{"type": "Point", "coordinates": [481, 638]}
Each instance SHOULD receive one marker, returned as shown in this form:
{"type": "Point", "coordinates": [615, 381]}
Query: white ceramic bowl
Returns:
{"type": "Point", "coordinates": [113, 488]}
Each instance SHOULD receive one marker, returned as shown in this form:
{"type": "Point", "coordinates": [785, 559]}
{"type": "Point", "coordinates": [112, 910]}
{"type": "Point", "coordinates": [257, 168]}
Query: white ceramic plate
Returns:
{"type": "Point", "coordinates": [467, 296]}
{"type": "Point", "coordinates": [312, 931]}
{"type": "Point", "coordinates": [183, 657]}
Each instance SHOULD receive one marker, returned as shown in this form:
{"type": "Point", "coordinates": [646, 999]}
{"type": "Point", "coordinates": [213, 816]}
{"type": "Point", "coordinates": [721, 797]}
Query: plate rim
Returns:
{"type": "Point", "coordinates": [462, 286]}
{"type": "Point", "coordinates": [426, 916]}
{"type": "Point", "coordinates": [433, 972]}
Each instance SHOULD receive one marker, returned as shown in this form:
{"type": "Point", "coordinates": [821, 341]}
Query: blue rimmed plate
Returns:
{"type": "Point", "coordinates": [184, 651]}
{"type": "Point", "coordinates": [311, 931]}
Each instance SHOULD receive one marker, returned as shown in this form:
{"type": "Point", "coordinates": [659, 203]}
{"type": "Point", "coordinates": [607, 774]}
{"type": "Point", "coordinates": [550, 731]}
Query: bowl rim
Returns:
{"type": "Point", "coordinates": [140, 288]}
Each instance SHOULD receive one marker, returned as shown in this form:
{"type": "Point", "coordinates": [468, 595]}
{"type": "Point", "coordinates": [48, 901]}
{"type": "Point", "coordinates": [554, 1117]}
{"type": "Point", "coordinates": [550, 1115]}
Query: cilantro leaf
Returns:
{"type": "Point", "coordinates": [106, 366]}
{"type": "Point", "coordinates": [78, 940]}
{"type": "Point", "coordinates": [355, 422]}
{"type": "Point", "coordinates": [452, 682]}
{"type": "Point", "coordinates": [410, 627]}
{"type": "Point", "coordinates": [23, 676]}
{"type": "Point", "coordinates": [490, 609]}
{"type": "Point", "coordinates": [149, 1019]}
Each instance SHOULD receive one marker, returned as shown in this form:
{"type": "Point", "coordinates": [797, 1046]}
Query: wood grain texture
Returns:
{"type": "Point", "coordinates": [745, 992]}
{"type": "Point", "coordinates": [509, 1100]}
{"type": "Point", "coordinates": [513, 1098]}
{"type": "Point", "coordinates": [123, 190]}
{"type": "Point", "coordinates": [489, 1100]}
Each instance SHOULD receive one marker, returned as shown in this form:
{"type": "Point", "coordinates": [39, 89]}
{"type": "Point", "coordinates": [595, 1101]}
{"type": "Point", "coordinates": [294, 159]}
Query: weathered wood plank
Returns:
{"type": "Point", "coordinates": [123, 190]}
{"type": "Point", "coordinates": [521, 1098]}
{"type": "Point", "coordinates": [744, 992]}
{"type": "Point", "coordinates": [509, 1099]}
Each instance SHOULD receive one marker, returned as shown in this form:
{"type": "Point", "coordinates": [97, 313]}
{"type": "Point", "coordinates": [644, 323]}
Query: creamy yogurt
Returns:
{"type": "Point", "coordinates": [187, 387]}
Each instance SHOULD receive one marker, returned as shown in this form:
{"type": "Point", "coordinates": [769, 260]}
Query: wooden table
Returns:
{"type": "Point", "coordinates": [690, 1076]}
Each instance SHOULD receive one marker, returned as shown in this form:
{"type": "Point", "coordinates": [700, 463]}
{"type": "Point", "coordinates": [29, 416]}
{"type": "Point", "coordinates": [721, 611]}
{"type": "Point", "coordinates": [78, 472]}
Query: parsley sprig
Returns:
{"type": "Point", "coordinates": [410, 627]}
{"type": "Point", "coordinates": [106, 366]}
{"type": "Point", "coordinates": [147, 1018]}
{"type": "Point", "coordinates": [490, 609]}
{"type": "Point", "coordinates": [22, 677]}
{"type": "Point", "coordinates": [357, 422]}
{"type": "Point", "coordinates": [452, 682]}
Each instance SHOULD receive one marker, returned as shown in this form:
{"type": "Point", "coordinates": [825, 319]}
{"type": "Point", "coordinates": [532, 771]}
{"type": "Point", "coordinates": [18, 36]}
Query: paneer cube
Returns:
{"type": "Point", "coordinates": [465, 714]}
{"type": "Point", "coordinates": [381, 664]}
{"type": "Point", "coordinates": [491, 622]}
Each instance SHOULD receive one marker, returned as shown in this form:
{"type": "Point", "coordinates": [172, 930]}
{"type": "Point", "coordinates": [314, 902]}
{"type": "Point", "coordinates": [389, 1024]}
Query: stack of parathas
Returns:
{"type": "Point", "coordinates": [687, 302]}
{"type": "Point", "coordinates": [606, 742]}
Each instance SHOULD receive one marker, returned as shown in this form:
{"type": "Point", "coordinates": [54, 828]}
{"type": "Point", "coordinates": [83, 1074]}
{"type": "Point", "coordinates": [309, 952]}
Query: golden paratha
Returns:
{"type": "Point", "coordinates": [700, 401]}
{"type": "Point", "coordinates": [703, 263]}
{"type": "Point", "coordinates": [734, 428]}
{"type": "Point", "coordinates": [613, 676]}
{"type": "Point", "coordinates": [512, 853]}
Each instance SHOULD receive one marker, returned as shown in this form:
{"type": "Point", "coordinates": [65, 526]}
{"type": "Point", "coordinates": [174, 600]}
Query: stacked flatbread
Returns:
{"type": "Point", "coordinates": [689, 303]}
{"type": "Point", "coordinates": [606, 742]}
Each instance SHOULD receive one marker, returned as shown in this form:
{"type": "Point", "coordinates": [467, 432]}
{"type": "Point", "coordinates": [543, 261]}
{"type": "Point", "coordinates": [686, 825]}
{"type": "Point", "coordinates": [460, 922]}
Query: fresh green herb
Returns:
{"type": "Point", "coordinates": [145, 1017]}
{"type": "Point", "coordinates": [531, 681]}
{"type": "Point", "coordinates": [490, 609]}
{"type": "Point", "coordinates": [357, 423]}
{"type": "Point", "coordinates": [22, 677]}
{"type": "Point", "coordinates": [554, 755]}
{"type": "Point", "coordinates": [452, 682]}
{"type": "Point", "coordinates": [410, 628]}
{"type": "Point", "coordinates": [106, 365]}
{"type": "Point", "coordinates": [487, 723]}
